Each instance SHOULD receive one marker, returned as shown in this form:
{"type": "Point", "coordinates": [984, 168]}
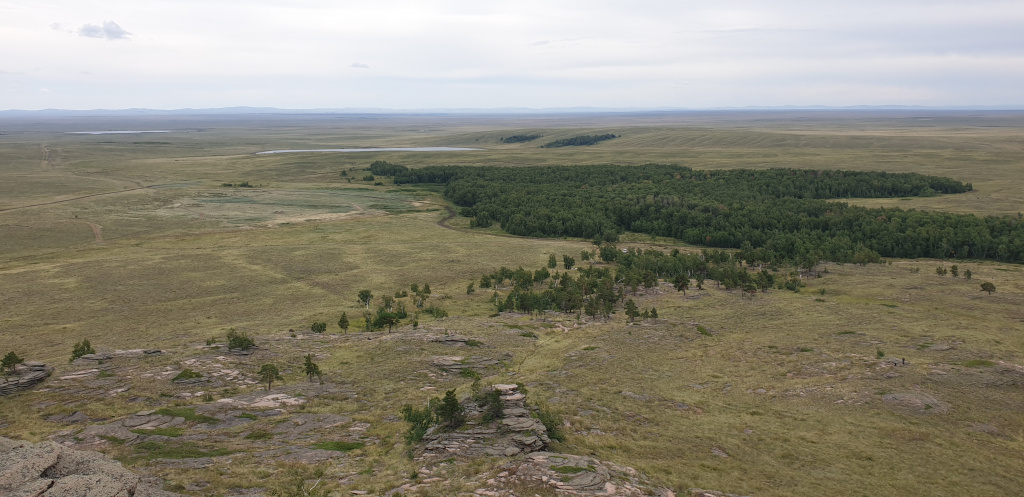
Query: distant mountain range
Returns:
{"type": "Point", "coordinates": [500, 110]}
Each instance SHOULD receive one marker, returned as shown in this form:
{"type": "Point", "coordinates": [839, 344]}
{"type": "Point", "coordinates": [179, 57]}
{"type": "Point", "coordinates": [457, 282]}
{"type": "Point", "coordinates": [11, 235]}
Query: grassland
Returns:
{"type": "Point", "coordinates": [132, 242]}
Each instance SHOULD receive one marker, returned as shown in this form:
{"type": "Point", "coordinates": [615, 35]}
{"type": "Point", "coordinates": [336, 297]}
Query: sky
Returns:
{"type": "Point", "coordinates": [306, 54]}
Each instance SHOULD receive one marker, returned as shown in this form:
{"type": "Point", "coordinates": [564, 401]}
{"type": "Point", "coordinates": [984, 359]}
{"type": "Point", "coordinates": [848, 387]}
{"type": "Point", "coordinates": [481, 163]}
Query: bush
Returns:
{"type": "Point", "coordinates": [259, 435]}
{"type": "Point", "coordinates": [552, 423]}
{"type": "Point", "coordinates": [491, 402]}
{"type": "Point", "coordinates": [187, 374]}
{"type": "Point", "coordinates": [239, 341]}
{"type": "Point", "coordinates": [318, 327]}
{"type": "Point", "coordinates": [436, 312]}
{"type": "Point", "coordinates": [339, 446]}
{"type": "Point", "coordinates": [82, 348]}
{"type": "Point", "coordinates": [420, 421]}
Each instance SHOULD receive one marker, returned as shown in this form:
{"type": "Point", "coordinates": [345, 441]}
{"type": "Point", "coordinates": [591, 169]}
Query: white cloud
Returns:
{"type": "Point", "coordinates": [533, 53]}
{"type": "Point", "coordinates": [110, 31]}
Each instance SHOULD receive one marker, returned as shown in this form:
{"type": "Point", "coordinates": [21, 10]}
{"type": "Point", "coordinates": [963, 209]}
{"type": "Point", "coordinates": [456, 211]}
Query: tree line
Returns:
{"type": "Point", "coordinates": [579, 141]}
{"type": "Point", "coordinates": [773, 215]}
{"type": "Point", "coordinates": [519, 138]}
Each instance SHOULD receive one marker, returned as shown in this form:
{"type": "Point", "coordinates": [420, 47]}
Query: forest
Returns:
{"type": "Point", "coordinates": [519, 138]}
{"type": "Point", "coordinates": [774, 215]}
{"type": "Point", "coordinates": [578, 141]}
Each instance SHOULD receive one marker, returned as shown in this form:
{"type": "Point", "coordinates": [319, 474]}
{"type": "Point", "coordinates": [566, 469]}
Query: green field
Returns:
{"type": "Point", "coordinates": [132, 241]}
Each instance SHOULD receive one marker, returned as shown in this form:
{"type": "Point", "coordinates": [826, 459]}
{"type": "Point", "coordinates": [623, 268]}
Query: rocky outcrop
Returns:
{"type": "Point", "coordinates": [26, 375]}
{"type": "Point", "coordinates": [514, 433]}
{"type": "Point", "coordinates": [49, 469]}
{"type": "Point", "coordinates": [542, 473]}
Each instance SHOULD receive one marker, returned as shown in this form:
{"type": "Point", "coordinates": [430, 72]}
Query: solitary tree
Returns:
{"type": "Point", "coordinates": [343, 322]}
{"type": "Point", "coordinates": [967, 274]}
{"type": "Point", "coordinates": [9, 361]}
{"type": "Point", "coordinates": [654, 313]}
{"type": "Point", "coordinates": [269, 373]}
{"type": "Point", "coordinates": [988, 287]}
{"type": "Point", "coordinates": [365, 296]}
{"type": "Point", "coordinates": [552, 262]}
{"type": "Point", "coordinates": [568, 261]}
{"type": "Point", "coordinates": [955, 270]}
{"type": "Point", "coordinates": [312, 369]}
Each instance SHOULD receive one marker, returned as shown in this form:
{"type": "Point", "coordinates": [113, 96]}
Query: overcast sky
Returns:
{"type": "Point", "coordinates": [83, 54]}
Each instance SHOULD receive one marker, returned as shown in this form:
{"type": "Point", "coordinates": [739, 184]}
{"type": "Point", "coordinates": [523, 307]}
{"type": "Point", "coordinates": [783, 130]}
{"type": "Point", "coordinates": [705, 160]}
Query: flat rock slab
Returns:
{"type": "Point", "coordinates": [49, 469]}
{"type": "Point", "coordinates": [302, 423]}
{"type": "Point", "coordinates": [918, 402]}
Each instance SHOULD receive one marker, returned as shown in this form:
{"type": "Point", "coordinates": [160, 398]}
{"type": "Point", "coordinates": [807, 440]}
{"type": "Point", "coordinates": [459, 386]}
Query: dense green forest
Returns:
{"type": "Point", "coordinates": [774, 215]}
{"type": "Point", "coordinates": [519, 138]}
{"type": "Point", "coordinates": [579, 141]}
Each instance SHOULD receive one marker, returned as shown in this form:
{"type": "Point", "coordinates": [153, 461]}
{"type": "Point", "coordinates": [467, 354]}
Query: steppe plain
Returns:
{"type": "Point", "coordinates": [132, 241]}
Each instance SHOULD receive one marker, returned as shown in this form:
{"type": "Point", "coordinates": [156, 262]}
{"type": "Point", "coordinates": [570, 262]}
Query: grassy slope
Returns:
{"type": "Point", "coordinates": [174, 269]}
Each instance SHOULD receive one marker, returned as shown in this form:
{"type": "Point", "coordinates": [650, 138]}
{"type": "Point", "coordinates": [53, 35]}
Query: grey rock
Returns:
{"type": "Point", "coordinates": [51, 470]}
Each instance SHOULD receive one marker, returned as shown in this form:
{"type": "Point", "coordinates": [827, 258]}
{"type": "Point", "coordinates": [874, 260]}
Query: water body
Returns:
{"type": "Point", "coordinates": [385, 149]}
{"type": "Point", "coordinates": [128, 132]}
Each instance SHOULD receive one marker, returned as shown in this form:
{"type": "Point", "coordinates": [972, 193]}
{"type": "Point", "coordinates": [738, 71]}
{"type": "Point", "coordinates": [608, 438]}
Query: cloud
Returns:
{"type": "Point", "coordinates": [360, 65]}
{"type": "Point", "coordinates": [110, 31]}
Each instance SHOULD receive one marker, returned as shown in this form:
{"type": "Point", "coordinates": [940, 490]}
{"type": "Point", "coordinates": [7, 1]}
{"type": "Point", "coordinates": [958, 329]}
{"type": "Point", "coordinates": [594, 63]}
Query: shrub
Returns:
{"type": "Point", "coordinates": [259, 435]}
{"type": "Point", "coordinates": [552, 423]}
{"type": "Point", "coordinates": [420, 421]}
{"type": "Point", "coordinates": [339, 446]}
{"type": "Point", "coordinates": [318, 327]}
{"type": "Point", "coordinates": [436, 312]}
{"type": "Point", "coordinates": [491, 402]}
{"type": "Point", "coordinates": [239, 341]}
{"type": "Point", "coordinates": [82, 348]}
{"type": "Point", "coordinates": [187, 374]}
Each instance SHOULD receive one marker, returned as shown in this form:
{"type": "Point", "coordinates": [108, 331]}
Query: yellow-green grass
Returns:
{"type": "Point", "coordinates": [163, 278]}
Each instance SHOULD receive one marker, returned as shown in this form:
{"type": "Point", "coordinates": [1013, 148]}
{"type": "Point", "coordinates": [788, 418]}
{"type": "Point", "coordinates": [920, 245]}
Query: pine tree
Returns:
{"type": "Point", "coordinates": [311, 368]}
{"type": "Point", "coordinates": [343, 322]}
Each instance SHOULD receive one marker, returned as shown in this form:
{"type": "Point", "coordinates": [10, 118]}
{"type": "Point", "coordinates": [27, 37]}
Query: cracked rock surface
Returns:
{"type": "Point", "coordinates": [49, 469]}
